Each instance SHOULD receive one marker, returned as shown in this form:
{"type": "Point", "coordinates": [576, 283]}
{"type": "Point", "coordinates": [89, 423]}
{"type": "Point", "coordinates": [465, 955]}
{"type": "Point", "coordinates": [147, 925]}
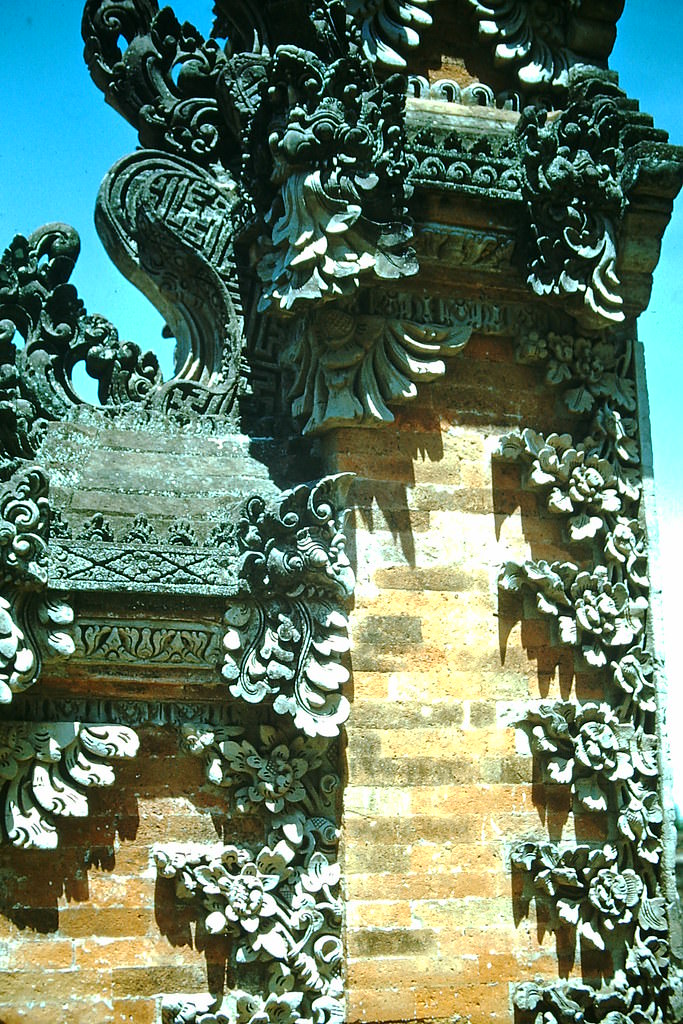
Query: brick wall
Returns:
{"type": "Point", "coordinates": [437, 790]}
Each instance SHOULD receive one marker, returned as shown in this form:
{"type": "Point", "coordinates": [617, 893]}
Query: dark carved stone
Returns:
{"type": "Point", "coordinates": [575, 184]}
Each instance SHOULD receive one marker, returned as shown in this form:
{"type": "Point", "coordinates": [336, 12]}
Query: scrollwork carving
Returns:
{"type": "Point", "coordinates": [32, 620]}
{"type": "Point", "coordinates": [47, 767]}
{"type": "Point", "coordinates": [285, 640]}
{"type": "Point", "coordinates": [531, 36]}
{"type": "Point", "coordinates": [389, 26]}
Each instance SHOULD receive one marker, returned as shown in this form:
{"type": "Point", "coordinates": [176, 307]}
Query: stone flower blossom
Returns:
{"type": "Point", "coordinates": [601, 756]}
{"type": "Point", "coordinates": [583, 746]}
{"type": "Point", "coordinates": [606, 614]}
{"type": "Point", "coordinates": [588, 494]}
{"type": "Point", "coordinates": [243, 889]}
{"type": "Point", "coordinates": [582, 485]}
{"type": "Point", "coordinates": [614, 897]}
{"type": "Point", "coordinates": [269, 772]}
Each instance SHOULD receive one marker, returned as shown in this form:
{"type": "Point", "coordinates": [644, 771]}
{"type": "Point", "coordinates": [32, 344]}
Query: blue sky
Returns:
{"type": "Point", "coordinates": [59, 139]}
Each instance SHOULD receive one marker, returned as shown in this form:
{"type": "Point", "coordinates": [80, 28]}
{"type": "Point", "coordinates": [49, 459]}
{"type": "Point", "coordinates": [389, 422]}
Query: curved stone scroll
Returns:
{"type": "Point", "coordinates": [389, 27]}
{"type": "Point", "coordinates": [531, 36]}
{"type": "Point", "coordinates": [285, 639]}
{"type": "Point", "coordinates": [47, 767]}
{"type": "Point", "coordinates": [168, 227]}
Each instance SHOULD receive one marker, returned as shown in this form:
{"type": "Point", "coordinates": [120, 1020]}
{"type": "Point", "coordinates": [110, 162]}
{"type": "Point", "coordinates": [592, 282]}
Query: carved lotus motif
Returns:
{"type": "Point", "coordinates": [614, 895]}
{"type": "Point", "coordinates": [606, 615]}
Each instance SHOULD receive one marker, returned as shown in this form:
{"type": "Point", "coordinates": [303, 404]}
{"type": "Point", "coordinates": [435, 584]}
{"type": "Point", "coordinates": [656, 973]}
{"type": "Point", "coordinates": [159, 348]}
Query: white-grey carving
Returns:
{"type": "Point", "coordinates": [349, 368]}
{"type": "Point", "coordinates": [47, 767]}
{"type": "Point", "coordinates": [529, 35]}
{"type": "Point", "coordinates": [388, 27]}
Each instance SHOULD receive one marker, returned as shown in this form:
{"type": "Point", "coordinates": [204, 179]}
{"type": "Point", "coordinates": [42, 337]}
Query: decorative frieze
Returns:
{"type": "Point", "coordinates": [182, 644]}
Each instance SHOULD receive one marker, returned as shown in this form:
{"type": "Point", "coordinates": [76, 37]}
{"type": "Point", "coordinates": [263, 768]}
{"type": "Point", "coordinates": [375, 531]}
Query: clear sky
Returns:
{"type": "Point", "coordinates": [59, 139]}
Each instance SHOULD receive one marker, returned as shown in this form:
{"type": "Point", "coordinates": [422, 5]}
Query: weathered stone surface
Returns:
{"type": "Point", "coordinates": [333, 251]}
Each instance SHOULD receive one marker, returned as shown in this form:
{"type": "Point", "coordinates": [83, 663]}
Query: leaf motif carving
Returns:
{"type": "Point", "coordinates": [48, 767]}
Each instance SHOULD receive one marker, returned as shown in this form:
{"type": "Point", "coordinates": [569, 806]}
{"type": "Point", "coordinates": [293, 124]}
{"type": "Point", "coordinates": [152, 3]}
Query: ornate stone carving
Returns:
{"type": "Point", "coordinates": [168, 225]}
{"type": "Point", "coordinates": [126, 643]}
{"type": "Point", "coordinates": [31, 619]}
{"type": "Point", "coordinates": [326, 191]}
{"type": "Point", "coordinates": [531, 36]}
{"type": "Point", "coordinates": [349, 368]}
{"type": "Point", "coordinates": [47, 767]}
{"type": "Point", "coordinates": [275, 772]}
{"type": "Point", "coordinates": [238, 1007]}
{"type": "Point", "coordinates": [595, 484]}
{"type": "Point", "coordinates": [447, 90]}
{"type": "Point", "coordinates": [389, 26]}
{"type": "Point", "coordinates": [337, 149]}
{"type": "Point", "coordinates": [612, 897]}
{"type": "Point", "coordinates": [571, 182]}
{"type": "Point", "coordinates": [459, 161]}
{"type": "Point", "coordinates": [281, 902]}
{"type": "Point", "coordinates": [286, 639]}
{"type": "Point", "coordinates": [37, 301]}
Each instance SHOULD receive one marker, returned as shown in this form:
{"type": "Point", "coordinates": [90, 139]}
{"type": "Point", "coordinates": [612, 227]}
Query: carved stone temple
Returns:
{"type": "Point", "coordinates": [327, 668]}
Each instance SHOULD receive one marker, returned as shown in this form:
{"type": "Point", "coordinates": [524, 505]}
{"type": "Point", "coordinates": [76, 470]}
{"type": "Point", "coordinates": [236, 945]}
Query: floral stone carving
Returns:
{"type": "Point", "coordinates": [285, 640]}
{"type": "Point", "coordinates": [281, 903]}
{"type": "Point", "coordinates": [47, 767]}
{"type": "Point", "coordinates": [611, 896]}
